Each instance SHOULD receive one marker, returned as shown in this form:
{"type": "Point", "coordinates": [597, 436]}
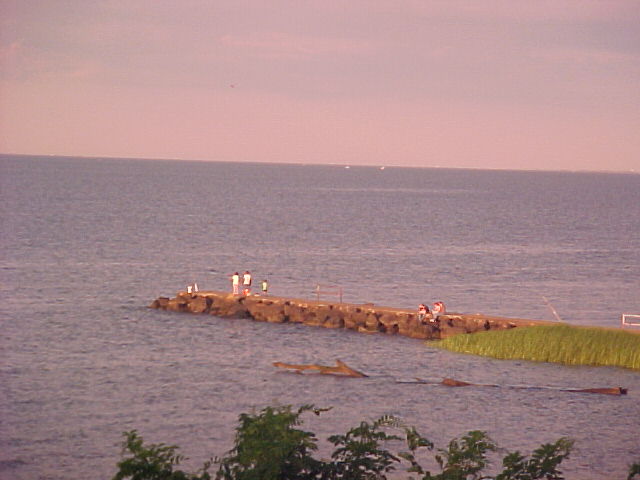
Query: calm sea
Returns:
{"type": "Point", "coordinates": [87, 244]}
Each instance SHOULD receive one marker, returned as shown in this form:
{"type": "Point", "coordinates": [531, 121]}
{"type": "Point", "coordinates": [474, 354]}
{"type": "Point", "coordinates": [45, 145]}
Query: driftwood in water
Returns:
{"type": "Point", "coordinates": [450, 382]}
{"type": "Point", "coordinates": [605, 391]}
{"type": "Point", "coordinates": [341, 369]}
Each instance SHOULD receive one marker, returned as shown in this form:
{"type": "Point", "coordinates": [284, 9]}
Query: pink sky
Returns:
{"type": "Point", "coordinates": [545, 84]}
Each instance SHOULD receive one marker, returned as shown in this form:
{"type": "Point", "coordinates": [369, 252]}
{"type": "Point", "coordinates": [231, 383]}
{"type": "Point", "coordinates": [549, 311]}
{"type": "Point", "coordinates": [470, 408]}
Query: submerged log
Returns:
{"type": "Point", "coordinates": [605, 391]}
{"type": "Point", "coordinates": [341, 369]}
{"type": "Point", "coordinates": [451, 382]}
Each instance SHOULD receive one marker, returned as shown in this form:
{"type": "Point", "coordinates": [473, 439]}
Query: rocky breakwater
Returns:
{"type": "Point", "coordinates": [364, 318]}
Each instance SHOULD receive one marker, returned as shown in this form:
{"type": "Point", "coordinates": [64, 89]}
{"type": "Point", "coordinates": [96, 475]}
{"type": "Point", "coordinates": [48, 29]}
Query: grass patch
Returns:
{"type": "Point", "coordinates": [552, 343]}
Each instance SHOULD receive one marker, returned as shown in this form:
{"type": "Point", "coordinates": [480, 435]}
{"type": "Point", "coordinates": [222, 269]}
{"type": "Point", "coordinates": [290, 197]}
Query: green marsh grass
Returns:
{"type": "Point", "coordinates": [553, 343]}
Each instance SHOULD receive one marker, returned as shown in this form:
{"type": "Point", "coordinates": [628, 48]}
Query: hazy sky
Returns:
{"type": "Point", "coordinates": [534, 84]}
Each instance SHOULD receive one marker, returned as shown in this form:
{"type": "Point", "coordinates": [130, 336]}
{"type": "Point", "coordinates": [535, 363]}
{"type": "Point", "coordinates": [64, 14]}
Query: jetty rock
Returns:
{"type": "Point", "coordinates": [363, 318]}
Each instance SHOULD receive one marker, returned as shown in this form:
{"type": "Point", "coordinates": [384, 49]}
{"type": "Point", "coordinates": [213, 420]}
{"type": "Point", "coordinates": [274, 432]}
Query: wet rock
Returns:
{"type": "Point", "coordinates": [197, 305]}
{"type": "Point", "coordinates": [160, 302]}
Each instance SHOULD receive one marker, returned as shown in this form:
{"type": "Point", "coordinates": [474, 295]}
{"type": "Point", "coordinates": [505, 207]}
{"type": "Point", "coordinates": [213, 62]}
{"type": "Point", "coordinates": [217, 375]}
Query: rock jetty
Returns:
{"type": "Point", "coordinates": [364, 318]}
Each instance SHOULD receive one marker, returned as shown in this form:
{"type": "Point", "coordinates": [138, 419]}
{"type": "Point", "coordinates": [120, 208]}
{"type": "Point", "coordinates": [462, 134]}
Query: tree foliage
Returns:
{"type": "Point", "coordinates": [358, 454]}
{"type": "Point", "coordinates": [271, 445]}
{"type": "Point", "coordinates": [543, 462]}
{"type": "Point", "coordinates": [153, 462]}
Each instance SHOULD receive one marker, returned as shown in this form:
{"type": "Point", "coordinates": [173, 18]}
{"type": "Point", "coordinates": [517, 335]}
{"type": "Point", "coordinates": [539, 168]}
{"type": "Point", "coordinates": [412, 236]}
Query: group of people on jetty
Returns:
{"type": "Point", "coordinates": [426, 316]}
{"type": "Point", "coordinates": [246, 280]}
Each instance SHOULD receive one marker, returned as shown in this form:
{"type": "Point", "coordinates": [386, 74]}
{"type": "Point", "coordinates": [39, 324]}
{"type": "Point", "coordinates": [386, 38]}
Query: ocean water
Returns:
{"type": "Point", "coordinates": [87, 244]}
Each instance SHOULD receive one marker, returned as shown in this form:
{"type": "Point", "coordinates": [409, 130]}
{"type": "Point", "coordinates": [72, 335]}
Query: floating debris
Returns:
{"type": "Point", "coordinates": [341, 369]}
{"type": "Point", "coordinates": [451, 382]}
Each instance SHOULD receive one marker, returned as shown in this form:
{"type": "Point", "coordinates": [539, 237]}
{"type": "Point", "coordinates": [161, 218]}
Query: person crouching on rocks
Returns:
{"type": "Point", "coordinates": [438, 309]}
{"type": "Point", "coordinates": [423, 311]}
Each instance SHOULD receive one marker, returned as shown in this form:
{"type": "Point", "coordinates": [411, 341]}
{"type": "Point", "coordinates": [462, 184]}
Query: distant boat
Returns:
{"type": "Point", "coordinates": [347, 166]}
{"type": "Point", "coordinates": [381, 168]}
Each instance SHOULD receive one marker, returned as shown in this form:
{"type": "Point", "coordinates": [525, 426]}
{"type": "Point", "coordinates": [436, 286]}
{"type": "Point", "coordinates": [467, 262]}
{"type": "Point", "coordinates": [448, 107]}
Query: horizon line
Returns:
{"type": "Point", "coordinates": [333, 164]}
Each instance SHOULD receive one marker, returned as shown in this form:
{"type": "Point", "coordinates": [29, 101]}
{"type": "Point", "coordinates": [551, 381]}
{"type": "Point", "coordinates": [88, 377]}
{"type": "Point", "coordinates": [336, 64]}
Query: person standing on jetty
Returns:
{"type": "Point", "coordinates": [235, 283]}
{"type": "Point", "coordinates": [265, 286]}
{"type": "Point", "coordinates": [246, 282]}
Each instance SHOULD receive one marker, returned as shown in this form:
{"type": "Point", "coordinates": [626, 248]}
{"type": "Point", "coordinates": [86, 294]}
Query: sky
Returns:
{"type": "Point", "coordinates": [499, 84]}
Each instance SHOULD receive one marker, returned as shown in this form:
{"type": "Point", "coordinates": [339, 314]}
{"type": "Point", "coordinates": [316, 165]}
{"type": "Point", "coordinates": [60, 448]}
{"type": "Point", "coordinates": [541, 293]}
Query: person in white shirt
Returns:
{"type": "Point", "coordinates": [235, 283]}
{"type": "Point", "coordinates": [246, 281]}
